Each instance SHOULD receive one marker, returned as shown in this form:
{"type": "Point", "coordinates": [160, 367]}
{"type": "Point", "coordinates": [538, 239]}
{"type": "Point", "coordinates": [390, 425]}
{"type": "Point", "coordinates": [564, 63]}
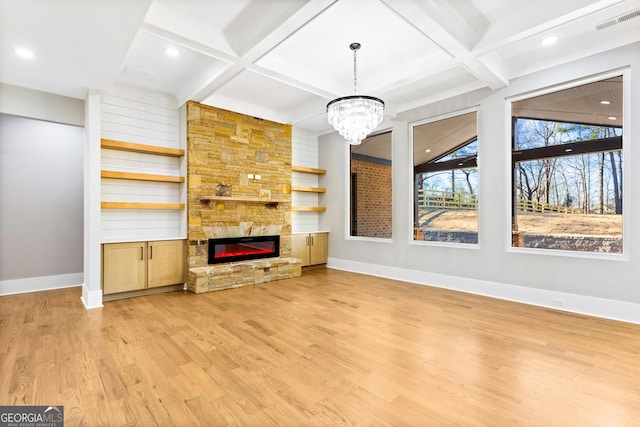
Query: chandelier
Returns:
{"type": "Point", "coordinates": [355, 116]}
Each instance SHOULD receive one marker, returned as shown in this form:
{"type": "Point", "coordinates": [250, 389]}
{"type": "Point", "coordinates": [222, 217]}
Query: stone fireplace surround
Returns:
{"type": "Point", "coordinates": [225, 149]}
{"type": "Point", "coordinates": [242, 273]}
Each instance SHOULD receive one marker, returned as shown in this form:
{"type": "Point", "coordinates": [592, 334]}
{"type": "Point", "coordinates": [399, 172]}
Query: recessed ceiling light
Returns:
{"type": "Point", "coordinates": [605, 102]}
{"type": "Point", "coordinates": [568, 150]}
{"type": "Point", "coordinates": [549, 40]}
{"type": "Point", "coordinates": [612, 118]}
{"type": "Point", "coordinates": [171, 51]}
{"type": "Point", "coordinates": [24, 53]}
{"type": "Point", "coordinates": [428, 150]}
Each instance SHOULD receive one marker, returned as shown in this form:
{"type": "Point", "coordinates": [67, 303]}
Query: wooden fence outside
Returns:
{"type": "Point", "coordinates": [438, 199]}
{"type": "Point", "coordinates": [534, 206]}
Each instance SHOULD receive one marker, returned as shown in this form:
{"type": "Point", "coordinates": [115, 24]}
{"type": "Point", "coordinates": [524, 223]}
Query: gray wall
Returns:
{"type": "Point", "coordinates": [41, 198]}
{"type": "Point", "coordinates": [492, 264]}
{"type": "Point", "coordinates": [24, 102]}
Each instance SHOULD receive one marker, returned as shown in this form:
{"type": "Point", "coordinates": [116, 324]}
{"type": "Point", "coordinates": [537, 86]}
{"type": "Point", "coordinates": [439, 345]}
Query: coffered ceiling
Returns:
{"type": "Point", "coordinates": [283, 60]}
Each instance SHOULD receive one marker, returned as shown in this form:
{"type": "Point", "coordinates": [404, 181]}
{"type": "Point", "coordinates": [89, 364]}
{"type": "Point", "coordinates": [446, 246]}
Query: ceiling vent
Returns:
{"type": "Point", "coordinates": [138, 74]}
{"type": "Point", "coordinates": [618, 20]}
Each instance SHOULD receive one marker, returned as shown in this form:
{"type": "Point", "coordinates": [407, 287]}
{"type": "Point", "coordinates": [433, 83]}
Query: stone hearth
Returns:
{"type": "Point", "coordinates": [234, 275]}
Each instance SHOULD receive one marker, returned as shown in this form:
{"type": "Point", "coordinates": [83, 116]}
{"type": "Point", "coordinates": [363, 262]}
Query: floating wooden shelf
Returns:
{"type": "Point", "coordinates": [141, 148]}
{"type": "Point", "coordinates": [270, 203]}
{"type": "Point", "coordinates": [305, 169]}
{"type": "Point", "coordinates": [309, 189]}
{"type": "Point", "coordinates": [141, 176]}
{"type": "Point", "coordinates": [241, 199]}
{"type": "Point", "coordinates": [139, 205]}
{"type": "Point", "coordinates": [316, 171]}
{"type": "Point", "coordinates": [308, 208]}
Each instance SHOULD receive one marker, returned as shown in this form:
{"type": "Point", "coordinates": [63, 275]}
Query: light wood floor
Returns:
{"type": "Point", "coordinates": [330, 348]}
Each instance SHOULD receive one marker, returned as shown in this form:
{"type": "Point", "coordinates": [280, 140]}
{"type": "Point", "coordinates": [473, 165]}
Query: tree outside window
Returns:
{"type": "Point", "coordinates": [446, 180]}
{"type": "Point", "coordinates": [567, 169]}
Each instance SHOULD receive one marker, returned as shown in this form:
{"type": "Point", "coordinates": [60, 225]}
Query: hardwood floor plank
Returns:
{"type": "Point", "coordinates": [328, 348]}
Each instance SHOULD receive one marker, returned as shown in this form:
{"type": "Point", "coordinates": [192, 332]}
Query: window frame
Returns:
{"type": "Point", "coordinates": [626, 193]}
{"type": "Point", "coordinates": [347, 200]}
{"type": "Point", "coordinates": [411, 206]}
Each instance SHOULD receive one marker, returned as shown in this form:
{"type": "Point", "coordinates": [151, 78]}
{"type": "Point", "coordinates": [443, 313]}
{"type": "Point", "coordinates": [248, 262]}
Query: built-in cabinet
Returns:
{"type": "Point", "coordinates": [311, 248]}
{"type": "Point", "coordinates": [135, 266]}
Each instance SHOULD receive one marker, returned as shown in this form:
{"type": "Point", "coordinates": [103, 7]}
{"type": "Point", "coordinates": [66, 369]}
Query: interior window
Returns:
{"type": "Point", "coordinates": [370, 195]}
{"type": "Point", "coordinates": [445, 170]}
{"type": "Point", "coordinates": [567, 169]}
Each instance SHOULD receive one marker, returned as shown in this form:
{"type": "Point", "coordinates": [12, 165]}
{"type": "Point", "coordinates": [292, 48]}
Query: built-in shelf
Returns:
{"type": "Point", "coordinates": [141, 148]}
{"type": "Point", "coordinates": [305, 169]}
{"type": "Point", "coordinates": [140, 205]}
{"type": "Point", "coordinates": [141, 176]}
{"type": "Point", "coordinates": [308, 208]}
{"type": "Point", "coordinates": [309, 189]}
{"type": "Point", "coordinates": [315, 171]}
{"type": "Point", "coordinates": [145, 149]}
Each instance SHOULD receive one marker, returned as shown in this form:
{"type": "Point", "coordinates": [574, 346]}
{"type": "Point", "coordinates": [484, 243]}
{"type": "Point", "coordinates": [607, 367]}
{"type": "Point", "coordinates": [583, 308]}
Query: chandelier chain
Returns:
{"type": "Point", "coordinates": [355, 72]}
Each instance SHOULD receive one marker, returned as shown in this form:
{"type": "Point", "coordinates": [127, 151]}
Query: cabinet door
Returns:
{"type": "Point", "coordinates": [124, 267]}
{"type": "Point", "coordinates": [300, 247]}
{"type": "Point", "coordinates": [319, 245]}
{"type": "Point", "coordinates": [165, 263]}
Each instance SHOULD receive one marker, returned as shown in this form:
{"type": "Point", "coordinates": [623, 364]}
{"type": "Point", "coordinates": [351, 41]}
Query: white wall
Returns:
{"type": "Point", "coordinates": [142, 117]}
{"type": "Point", "coordinates": [596, 284]}
{"type": "Point", "coordinates": [41, 204]}
{"type": "Point", "coordinates": [304, 152]}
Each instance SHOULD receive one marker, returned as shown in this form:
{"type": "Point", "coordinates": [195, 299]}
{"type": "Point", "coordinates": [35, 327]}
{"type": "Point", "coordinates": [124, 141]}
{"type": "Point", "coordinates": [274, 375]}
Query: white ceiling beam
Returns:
{"type": "Point", "coordinates": [500, 42]}
{"type": "Point", "coordinates": [441, 96]}
{"type": "Point", "coordinates": [181, 40]}
{"type": "Point", "coordinates": [274, 75]}
{"type": "Point", "coordinates": [264, 45]}
{"type": "Point", "coordinates": [172, 24]}
{"type": "Point", "coordinates": [432, 28]}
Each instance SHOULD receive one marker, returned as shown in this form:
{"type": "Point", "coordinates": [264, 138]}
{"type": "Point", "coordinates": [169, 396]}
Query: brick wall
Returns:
{"type": "Point", "coordinates": [373, 192]}
{"type": "Point", "coordinates": [223, 147]}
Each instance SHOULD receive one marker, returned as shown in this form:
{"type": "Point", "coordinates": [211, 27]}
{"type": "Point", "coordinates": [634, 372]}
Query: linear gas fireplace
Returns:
{"type": "Point", "coordinates": [230, 249]}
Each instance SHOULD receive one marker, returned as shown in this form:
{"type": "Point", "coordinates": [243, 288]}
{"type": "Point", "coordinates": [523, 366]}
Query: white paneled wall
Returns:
{"type": "Point", "coordinates": [142, 117]}
{"type": "Point", "coordinates": [304, 153]}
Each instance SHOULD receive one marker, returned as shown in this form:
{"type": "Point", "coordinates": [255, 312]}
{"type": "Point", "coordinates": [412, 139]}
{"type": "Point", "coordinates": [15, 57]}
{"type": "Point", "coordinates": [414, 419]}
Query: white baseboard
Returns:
{"type": "Point", "coordinates": [41, 283]}
{"type": "Point", "coordinates": [582, 304]}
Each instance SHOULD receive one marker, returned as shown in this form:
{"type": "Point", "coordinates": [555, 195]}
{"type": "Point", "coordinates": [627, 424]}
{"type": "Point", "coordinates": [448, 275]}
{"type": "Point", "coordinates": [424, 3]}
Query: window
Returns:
{"type": "Point", "coordinates": [370, 196]}
{"type": "Point", "coordinates": [445, 171]}
{"type": "Point", "coordinates": [567, 169]}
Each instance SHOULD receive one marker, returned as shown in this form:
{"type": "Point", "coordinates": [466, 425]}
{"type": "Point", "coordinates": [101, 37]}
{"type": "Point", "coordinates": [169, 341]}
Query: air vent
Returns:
{"type": "Point", "coordinates": [138, 74]}
{"type": "Point", "coordinates": [619, 19]}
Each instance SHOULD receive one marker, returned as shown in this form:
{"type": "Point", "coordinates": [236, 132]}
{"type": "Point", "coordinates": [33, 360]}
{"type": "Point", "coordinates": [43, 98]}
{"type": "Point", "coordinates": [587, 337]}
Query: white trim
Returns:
{"type": "Point", "coordinates": [41, 283]}
{"type": "Point", "coordinates": [92, 249]}
{"type": "Point", "coordinates": [91, 298]}
{"type": "Point", "coordinates": [582, 304]}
